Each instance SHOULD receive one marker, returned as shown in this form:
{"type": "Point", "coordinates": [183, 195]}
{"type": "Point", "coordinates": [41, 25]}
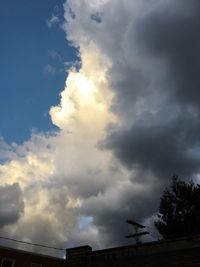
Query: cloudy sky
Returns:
{"type": "Point", "coordinates": [99, 108]}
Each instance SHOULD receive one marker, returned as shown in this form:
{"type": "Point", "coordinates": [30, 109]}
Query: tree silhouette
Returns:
{"type": "Point", "coordinates": [179, 211]}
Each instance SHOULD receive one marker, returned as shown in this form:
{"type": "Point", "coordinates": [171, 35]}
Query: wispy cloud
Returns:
{"type": "Point", "coordinates": [49, 69]}
{"type": "Point", "coordinates": [55, 17]}
{"type": "Point", "coordinates": [55, 55]}
{"type": "Point", "coordinates": [52, 21]}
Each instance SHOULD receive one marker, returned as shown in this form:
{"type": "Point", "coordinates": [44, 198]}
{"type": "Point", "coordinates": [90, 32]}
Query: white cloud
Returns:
{"type": "Point", "coordinates": [58, 173]}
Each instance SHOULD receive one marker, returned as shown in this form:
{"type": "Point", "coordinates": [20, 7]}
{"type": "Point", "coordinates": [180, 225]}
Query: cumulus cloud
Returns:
{"type": "Point", "coordinates": [59, 171]}
{"type": "Point", "coordinates": [162, 133]}
{"type": "Point", "coordinates": [128, 119]}
{"type": "Point", "coordinates": [152, 47]}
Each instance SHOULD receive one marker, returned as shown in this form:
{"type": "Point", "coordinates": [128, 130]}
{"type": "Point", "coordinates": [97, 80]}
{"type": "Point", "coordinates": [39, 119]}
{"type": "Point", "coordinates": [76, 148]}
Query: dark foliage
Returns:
{"type": "Point", "coordinates": [179, 211]}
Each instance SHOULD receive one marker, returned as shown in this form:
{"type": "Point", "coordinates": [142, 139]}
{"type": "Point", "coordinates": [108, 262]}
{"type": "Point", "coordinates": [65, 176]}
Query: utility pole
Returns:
{"type": "Point", "coordinates": [137, 234]}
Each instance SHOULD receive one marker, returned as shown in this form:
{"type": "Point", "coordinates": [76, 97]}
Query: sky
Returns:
{"type": "Point", "coordinates": [100, 107]}
{"type": "Point", "coordinates": [33, 53]}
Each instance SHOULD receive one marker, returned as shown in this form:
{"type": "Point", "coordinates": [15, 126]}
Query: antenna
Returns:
{"type": "Point", "coordinates": [137, 234]}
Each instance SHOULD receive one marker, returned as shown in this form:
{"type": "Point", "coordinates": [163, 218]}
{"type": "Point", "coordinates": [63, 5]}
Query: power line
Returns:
{"type": "Point", "coordinates": [29, 243]}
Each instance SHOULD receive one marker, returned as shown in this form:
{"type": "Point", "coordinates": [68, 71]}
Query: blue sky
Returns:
{"type": "Point", "coordinates": [33, 50]}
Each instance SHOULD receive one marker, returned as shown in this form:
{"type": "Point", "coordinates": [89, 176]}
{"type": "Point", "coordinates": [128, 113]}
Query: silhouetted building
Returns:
{"type": "Point", "coordinates": [10, 257]}
{"type": "Point", "coordinates": [182, 252]}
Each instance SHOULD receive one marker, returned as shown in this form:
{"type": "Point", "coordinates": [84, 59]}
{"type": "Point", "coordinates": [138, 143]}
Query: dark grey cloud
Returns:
{"type": "Point", "coordinates": [134, 201]}
{"type": "Point", "coordinates": [157, 87]}
{"type": "Point", "coordinates": [163, 149]}
{"type": "Point", "coordinates": [11, 204]}
{"type": "Point", "coordinates": [173, 34]}
{"type": "Point", "coordinates": [153, 47]}
{"type": "Point", "coordinates": [164, 137]}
